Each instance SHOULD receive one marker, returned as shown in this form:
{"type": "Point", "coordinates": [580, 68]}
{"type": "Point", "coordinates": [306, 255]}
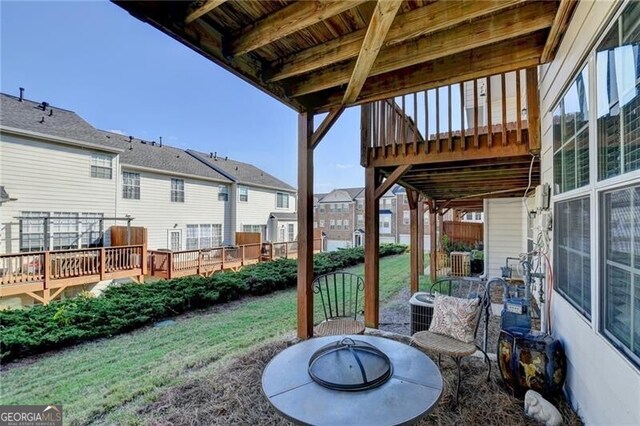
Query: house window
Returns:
{"type": "Point", "coordinates": [571, 137]}
{"type": "Point", "coordinates": [282, 200]}
{"type": "Point", "coordinates": [223, 193]}
{"type": "Point", "coordinates": [244, 193]}
{"type": "Point", "coordinates": [359, 205]}
{"type": "Point", "coordinates": [204, 236]}
{"type": "Point", "coordinates": [32, 231]}
{"type": "Point", "coordinates": [315, 224]}
{"type": "Point", "coordinates": [90, 229]}
{"type": "Point", "coordinates": [192, 237]}
{"type": "Point", "coordinates": [385, 224]}
{"type": "Point", "coordinates": [405, 217]}
{"type": "Point", "coordinates": [572, 252]}
{"type": "Point", "coordinates": [405, 200]}
{"type": "Point", "coordinates": [177, 190]}
{"type": "Point", "coordinates": [64, 230]}
{"type": "Point", "coordinates": [292, 236]}
{"type": "Point", "coordinates": [131, 185]}
{"type": "Point", "coordinates": [322, 224]}
{"type": "Point", "coordinates": [339, 224]}
{"type": "Point", "coordinates": [345, 223]}
{"type": "Point", "coordinates": [332, 224]}
{"type": "Point", "coordinates": [620, 268]}
{"type": "Point", "coordinates": [618, 96]}
{"type": "Point", "coordinates": [101, 165]}
{"type": "Point", "coordinates": [321, 208]}
{"type": "Point", "coordinates": [360, 221]}
{"type": "Point", "coordinates": [261, 229]}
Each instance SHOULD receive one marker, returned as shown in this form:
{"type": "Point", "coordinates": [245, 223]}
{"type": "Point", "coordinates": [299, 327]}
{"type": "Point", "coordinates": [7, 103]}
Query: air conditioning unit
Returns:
{"type": "Point", "coordinates": [421, 311]}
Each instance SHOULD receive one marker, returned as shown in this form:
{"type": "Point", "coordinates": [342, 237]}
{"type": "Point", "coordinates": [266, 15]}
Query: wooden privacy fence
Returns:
{"type": "Point", "coordinates": [123, 235]}
{"type": "Point", "coordinates": [44, 275]}
{"type": "Point", "coordinates": [463, 232]}
{"type": "Point", "coordinates": [244, 238]}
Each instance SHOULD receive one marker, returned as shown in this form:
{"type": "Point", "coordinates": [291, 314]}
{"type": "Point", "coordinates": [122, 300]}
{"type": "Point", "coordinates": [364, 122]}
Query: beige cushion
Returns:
{"type": "Point", "coordinates": [339, 327]}
{"type": "Point", "coordinates": [455, 317]}
{"type": "Point", "coordinates": [442, 344]}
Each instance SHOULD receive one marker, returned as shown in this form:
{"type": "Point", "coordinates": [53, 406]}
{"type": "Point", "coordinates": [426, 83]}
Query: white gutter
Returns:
{"type": "Point", "coordinates": [57, 139]}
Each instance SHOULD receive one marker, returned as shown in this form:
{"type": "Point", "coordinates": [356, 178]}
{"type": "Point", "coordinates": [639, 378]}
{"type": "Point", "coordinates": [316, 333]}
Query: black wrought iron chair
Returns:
{"type": "Point", "coordinates": [341, 295]}
{"type": "Point", "coordinates": [445, 345]}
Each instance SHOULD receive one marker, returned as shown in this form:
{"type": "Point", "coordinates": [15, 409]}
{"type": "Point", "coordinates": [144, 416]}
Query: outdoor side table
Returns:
{"type": "Point", "coordinates": [411, 392]}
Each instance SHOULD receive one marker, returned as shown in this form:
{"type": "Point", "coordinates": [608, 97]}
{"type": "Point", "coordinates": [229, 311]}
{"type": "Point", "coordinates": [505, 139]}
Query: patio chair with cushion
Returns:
{"type": "Point", "coordinates": [459, 305]}
{"type": "Point", "coordinates": [341, 295]}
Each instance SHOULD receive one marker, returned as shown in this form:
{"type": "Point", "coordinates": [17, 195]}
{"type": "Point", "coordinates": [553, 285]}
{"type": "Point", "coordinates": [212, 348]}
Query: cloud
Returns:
{"type": "Point", "coordinates": [117, 131]}
{"type": "Point", "coordinates": [344, 166]}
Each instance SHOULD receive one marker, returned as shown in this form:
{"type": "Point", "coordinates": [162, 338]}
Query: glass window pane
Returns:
{"type": "Point", "coordinates": [572, 252]}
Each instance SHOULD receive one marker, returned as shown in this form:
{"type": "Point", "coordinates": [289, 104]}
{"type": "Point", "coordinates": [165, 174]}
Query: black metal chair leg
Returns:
{"type": "Point", "coordinates": [488, 361]}
{"type": "Point", "coordinates": [457, 361]}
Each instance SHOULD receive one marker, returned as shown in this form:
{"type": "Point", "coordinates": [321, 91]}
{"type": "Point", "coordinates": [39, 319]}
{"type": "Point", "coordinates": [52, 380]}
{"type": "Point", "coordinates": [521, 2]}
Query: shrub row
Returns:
{"type": "Point", "coordinates": [126, 307]}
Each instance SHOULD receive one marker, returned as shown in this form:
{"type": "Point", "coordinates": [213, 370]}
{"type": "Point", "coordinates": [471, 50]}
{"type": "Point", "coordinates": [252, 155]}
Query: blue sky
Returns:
{"type": "Point", "coordinates": [122, 75]}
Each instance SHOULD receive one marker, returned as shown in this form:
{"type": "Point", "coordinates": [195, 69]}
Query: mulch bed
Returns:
{"type": "Point", "coordinates": [233, 396]}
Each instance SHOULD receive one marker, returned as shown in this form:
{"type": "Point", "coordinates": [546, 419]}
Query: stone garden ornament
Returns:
{"type": "Point", "coordinates": [541, 410]}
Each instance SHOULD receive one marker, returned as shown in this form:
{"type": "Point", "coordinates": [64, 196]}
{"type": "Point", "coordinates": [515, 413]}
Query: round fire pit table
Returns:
{"type": "Point", "coordinates": [409, 391]}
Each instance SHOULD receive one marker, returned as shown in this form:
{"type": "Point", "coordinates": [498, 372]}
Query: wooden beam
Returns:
{"type": "Point", "coordinates": [506, 56]}
{"type": "Point", "coordinates": [206, 7]}
{"type": "Point", "coordinates": [533, 110]}
{"type": "Point", "coordinates": [513, 23]}
{"type": "Point", "coordinates": [391, 180]}
{"type": "Point", "coordinates": [416, 23]}
{"type": "Point", "coordinates": [326, 125]}
{"type": "Point", "coordinates": [371, 249]}
{"type": "Point", "coordinates": [380, 23]}
{"type": "Point", "coordinates": [305, 225]}
{"type": "Point", "coordinates": [559, 26]}
{"type": "Point", "coordinates": [482, 153]}
{"type": "Point", "coordinates": [288, 20]}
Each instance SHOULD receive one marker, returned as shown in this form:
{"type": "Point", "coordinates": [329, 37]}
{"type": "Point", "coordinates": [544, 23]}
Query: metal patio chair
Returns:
{"type": "Point", "coordinates": [341, 295]}
{"type": "Point", "coordinates": [445, 345]}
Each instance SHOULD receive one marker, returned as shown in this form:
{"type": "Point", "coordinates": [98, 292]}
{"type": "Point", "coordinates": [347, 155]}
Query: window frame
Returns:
{"type": "Point", "coordinates": [284, 196]}
{"type": "Point", "coordinates": [241, 189]}
{"type": "Point", "coordinates": [177, 191]}
{"type": "Point", "coordinates": [98, 165]}
{"type": "Point", "coordinates": [133, 188]}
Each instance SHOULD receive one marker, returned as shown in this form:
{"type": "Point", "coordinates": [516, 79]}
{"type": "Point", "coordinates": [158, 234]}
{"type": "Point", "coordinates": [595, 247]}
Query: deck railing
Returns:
{"type": "Point", "coordinates": [478, 113]}
{"type": "Point", "coordinates": [167, 264]}
{"type": "Point", "coordinates": [43, 271]}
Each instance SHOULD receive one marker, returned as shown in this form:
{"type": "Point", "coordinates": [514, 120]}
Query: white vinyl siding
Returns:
{"type": "Point", "coordinates": [592, 357]}
{"type": "Point", "coordinates": [49, 177]}
{"type": "Point", "coordinates": [161, 216]}
{"type": "Point", "coordinates": [504, 232]}
{"type": "Point", "coordinates": [262, 202]}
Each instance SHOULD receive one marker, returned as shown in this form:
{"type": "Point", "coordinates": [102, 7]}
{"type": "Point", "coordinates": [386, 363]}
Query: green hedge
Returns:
{"type": "Point", "coordinates": [126, 307]}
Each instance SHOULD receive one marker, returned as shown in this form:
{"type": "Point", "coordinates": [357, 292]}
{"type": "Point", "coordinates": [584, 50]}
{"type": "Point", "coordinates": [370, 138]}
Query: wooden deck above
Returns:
{"type": "Point", "coordinates": [320, 54]}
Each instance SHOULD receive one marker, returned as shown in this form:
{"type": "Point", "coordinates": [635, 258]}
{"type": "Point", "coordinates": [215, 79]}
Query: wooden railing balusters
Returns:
{"type": "Point", "coordinates": [438, 149]}
{"type": "Point", "coordinates": [449, 118]}
{"type": "Point", "coordinates": [476, 142]}
{"type": "Point", "coordinates": [489, 123]}
{"type": "Point", "coordinates": [426, 122]}
{"type": "Point", "coordinates": [463, 138]}
{"type": "Point", "coordinates": [503, 83]}
{"type": "Point", "coordinates": [415, 124]}
{"type": "Point", "coordinates": [518, 109]}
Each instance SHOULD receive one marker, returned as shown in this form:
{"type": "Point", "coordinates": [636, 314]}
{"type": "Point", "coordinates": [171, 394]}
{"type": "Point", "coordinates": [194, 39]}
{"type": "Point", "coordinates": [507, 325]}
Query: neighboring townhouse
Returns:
{"type": "Point", "coordinates": [181, 201]}
{"type": "Point", "coordinates": [66, 180]}
{"type": "Point", "coordinates": [260, 202]}
{"type": "Point", "coordinates": [53, 167]}
{"type": "Point", "coordinates": [335, 214]}
{"type": "Point", "coordinates": [387, 213]}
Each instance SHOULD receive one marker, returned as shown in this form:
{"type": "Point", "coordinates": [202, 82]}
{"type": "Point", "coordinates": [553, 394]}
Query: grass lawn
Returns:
{"type": "Point", "coordinates": [106, 381]}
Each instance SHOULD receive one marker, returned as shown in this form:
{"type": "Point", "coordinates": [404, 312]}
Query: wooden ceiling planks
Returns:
{"type": "Point", "coordinates": [296, 50]}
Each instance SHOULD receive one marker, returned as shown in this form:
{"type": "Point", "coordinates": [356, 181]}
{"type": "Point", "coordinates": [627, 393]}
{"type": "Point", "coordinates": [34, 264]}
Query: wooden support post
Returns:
{"type": "Point", "coordinates": [413, 216]}
{"type": "Point", "coordinates": [242, 250]}
{"type": "Point", "coordinates": [47, 269]}
{"type": "Point", "coordinates": [103, 263]}
{"type": "Point", "coordinates": [371, 249]}
{"type": "Point", "coordinates": [170, 264]}
{"type": "Point", "coordinates": [305, 225]}
{"type": "Point", "coordinates": [533, 110]}
{"type": "Point", "coordinates": [433, 255]}
{"type": "Point", "coordinates": [198, 272]}
{"type": "Point", "coordinates": [420, 237]}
